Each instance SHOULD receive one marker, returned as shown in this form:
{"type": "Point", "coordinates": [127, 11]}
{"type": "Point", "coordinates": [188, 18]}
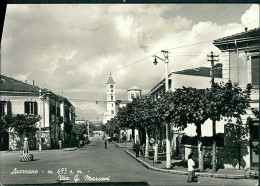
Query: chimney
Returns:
{"type": "Point", "coordinates": [33, 82]}
{"type": "Point", "coordinates": [245, 29]}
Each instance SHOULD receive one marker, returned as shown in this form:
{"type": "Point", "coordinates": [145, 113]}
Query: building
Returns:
{"type": "Point", "coordinates": [133, 92]}
{"type": "Point", "coordinates": [113, 105]}
{"type": "Point", "coordinates": [240, 57]}
{"type": "Point", "coordinates": [57, 113]}
{"type": "Point", "coordinates": [111, 100]}
{"type": "Point", "coordinates": [197, 78]}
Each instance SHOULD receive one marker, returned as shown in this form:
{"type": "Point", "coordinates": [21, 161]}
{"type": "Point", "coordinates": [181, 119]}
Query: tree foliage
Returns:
{"type": "Point", "coordinates": [227, 100]}
{"type": "Point", "coordinates": [20, 122]}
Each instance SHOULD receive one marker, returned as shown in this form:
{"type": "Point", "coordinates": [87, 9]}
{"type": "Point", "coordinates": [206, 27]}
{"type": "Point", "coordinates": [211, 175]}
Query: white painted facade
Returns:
{"type": "Point", "coordinates": [111, 100]}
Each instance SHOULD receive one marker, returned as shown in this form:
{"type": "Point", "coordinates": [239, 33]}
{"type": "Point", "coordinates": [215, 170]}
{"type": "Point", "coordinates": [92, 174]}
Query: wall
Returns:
{"type": "Point", "coordinates": [185, 150]}
{"type": "Point", "coordinates": [236, 143]}
{"type": "Point", "coordinates": [134, 92]}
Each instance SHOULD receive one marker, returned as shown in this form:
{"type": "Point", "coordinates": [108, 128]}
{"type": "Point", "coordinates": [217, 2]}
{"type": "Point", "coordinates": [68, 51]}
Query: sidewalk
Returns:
{"type": "Point", "coordinates": [19, 151]}
{"type": "Point", "coordinates": [148, 163]}
{"type": "Point", "coordinates": [123, 144]}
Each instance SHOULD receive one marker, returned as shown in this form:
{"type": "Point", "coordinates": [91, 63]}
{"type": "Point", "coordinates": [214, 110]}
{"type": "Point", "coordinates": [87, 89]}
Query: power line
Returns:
{"type": "Point", "coordinates": [167, 49]}
{"type": "Point", "coordinates": [205, 28]}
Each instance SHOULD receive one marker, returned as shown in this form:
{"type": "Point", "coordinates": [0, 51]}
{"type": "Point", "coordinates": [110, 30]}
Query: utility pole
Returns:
{"type": "Point", "coordinates": [40, 126]}
{"type": "Point", "coordinates": [212, 60]}
{"type": "Point", "coordinates": [168, 143]}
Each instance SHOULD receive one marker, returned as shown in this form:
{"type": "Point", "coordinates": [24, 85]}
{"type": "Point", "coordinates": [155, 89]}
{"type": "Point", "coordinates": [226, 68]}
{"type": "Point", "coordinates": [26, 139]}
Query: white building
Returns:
{"type": "Point", "coordinates": [111, 100]}
{"type": "Point", "coordinates": [113, 104]}
{"type": "Point", "coordinates": [17, 97]}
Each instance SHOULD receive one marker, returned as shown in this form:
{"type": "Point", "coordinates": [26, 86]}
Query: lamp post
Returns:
{"type": "Point", "coordinates": [40, 126]}
{"type": "Point", "coordinates": [168, 144]}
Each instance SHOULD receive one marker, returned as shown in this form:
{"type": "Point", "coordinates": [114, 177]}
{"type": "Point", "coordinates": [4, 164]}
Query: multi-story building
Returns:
{"type": "Point", "coordinates": [197, 78]}
{"type": "Point", "coordinates": [56, 112]}
{"type": "Point", "coordinates": [240, 58]}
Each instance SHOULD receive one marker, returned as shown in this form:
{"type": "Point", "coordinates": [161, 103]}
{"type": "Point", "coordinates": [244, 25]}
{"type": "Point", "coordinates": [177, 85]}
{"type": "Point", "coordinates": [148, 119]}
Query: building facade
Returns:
{"type": "Point", "coordinates": [111, 100]}
{"type": "Point", "coordinates": [197, 78]}
{"type": "Point", "coordinates": [18, 97]}
{"type": "Point", "coordinates": [240, 56]}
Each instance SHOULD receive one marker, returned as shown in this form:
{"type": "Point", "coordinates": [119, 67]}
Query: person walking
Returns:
{"type": "Point", "coordinates": [143, 149]}
{"type": "Point", "coordinates": [191, 171]}
{"type": "Point", "coordinates": [137, 149]}
{"type": "Point", "coordinates": [80, 143]}
{"type": "Point", "coordinates": [105, 142]}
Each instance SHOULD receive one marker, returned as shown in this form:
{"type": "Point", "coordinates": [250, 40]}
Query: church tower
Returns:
{"type": "Point", "coordinates": [111, 100]}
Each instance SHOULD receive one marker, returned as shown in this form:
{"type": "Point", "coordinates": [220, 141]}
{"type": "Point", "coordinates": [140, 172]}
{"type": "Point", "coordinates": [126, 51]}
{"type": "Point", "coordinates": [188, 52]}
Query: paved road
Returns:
{"type": "Point", "coordinates": [95, 162]}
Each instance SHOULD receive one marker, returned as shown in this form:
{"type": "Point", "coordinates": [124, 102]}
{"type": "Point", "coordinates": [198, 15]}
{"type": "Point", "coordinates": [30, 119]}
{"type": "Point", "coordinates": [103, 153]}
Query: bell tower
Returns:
{"type": "Point", "coordinates": [111, 100]}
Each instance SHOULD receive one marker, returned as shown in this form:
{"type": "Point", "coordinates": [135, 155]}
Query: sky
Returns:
{"type": "Point", "coordinates": [71, 49]}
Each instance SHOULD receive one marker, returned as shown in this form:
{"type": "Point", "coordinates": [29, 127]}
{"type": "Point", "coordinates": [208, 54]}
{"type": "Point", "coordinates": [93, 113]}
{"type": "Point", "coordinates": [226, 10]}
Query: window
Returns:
{"type": "Point", "coordinates": [137, 95]}
{"type": "Point", "coordinates": [2, 108]}
{"type": "Point", "coordinates": [30, 107]}
{"type": "Point", "coordinates": [112, 112]}
{"type": "Point", "coordinates": [255, 70]}
{"type": "Point", "coordinates": [111, 86]}
{"type": "Point", "coordinates": [58, 111]}
{"type": "Point", "coordinates": [111, 98]}
{"type": "Point", "coordinates": [132, 96]}
{"type": "Point", "coordinates": [111, 90]}
{"type": "Point", "coordinates": [5, 108]}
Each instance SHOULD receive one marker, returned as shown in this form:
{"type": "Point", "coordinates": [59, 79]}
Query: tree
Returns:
{"type": "Point", "coordinates": [171, 110]}
{"type": "Point", "coordinates": [112, 126]}
{"type": "Point", "coordinates": [188, 105]}
{"type": "Point", "coordinates": [79, 130]}
{"type": "Point", "coordinates": [157, 120]}
{"type": "Point", "coordinates": [5, 122]}
{"type": "Point", "coordinates": [226, 100]}
{"type": "Point", "coordinates": [22, 123]}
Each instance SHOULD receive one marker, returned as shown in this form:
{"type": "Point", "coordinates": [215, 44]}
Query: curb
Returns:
{"type": "Point", "coordinates": [225, 176]}
{"type": "Point", "coordinates": [49, 150]}
{"type": "Point", "coordinates": [121, 145]}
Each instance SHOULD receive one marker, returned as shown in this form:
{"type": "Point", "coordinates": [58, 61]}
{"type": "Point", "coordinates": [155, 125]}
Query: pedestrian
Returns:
{"type": "Point", "coordinates": [105, 142]}
{"type": "Point", "coordinates": [143, 149]}
{"type": "Point", "coordinates": [191, 171]}
{"type": "Point", "coordinates": [137, 149]}
{"type": "Point", "coordinates": [81, 143]}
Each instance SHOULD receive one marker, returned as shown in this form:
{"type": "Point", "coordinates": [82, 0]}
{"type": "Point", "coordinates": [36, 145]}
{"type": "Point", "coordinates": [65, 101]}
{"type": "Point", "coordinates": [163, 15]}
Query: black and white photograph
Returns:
{"type": "Point", "coordinates": [130, 94]}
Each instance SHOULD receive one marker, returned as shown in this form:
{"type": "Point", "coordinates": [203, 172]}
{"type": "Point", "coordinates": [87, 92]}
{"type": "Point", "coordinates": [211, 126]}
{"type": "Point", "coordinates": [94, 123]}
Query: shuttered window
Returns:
{"type": "Point", "coordinates": [9, 108]}
{"type": "Point", "coordinates": [2, 108]}
{"type": "Point", "coordinates": [31, 107]}
{"type": "Point", "coordinates": [5, 108]}
{"type": "Point", "coordinates": [255, 70]}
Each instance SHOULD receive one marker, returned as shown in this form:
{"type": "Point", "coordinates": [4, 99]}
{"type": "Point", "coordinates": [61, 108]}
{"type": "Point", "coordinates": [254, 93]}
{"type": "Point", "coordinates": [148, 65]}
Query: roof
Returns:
{"type": "Point", "coordinates": [201, 71]}
{"type": "Point", "coordinates": [122, 101]}
{"type": "Point", "coordinates": [10, 84]}
{"type": "Point", "coordinates": [247, 34]}
{"type": "Point", "coordinates": [134, 88]}
{"type": "Point", "coordinates": [13, 85]}
{"type": "Point", "coordinates": [110, 80]}
{"type": "Point", "coordinates": [61, 98]}
{"type": "Point", "coordinates": [247, 41]}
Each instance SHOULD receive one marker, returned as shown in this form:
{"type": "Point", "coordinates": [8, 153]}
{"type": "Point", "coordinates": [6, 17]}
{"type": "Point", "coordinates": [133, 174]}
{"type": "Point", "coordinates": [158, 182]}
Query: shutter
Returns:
{"type": "Point", "coordinates": [9, 108]}
{"type": "Point", "coordinates": [26, 107]}
{"type": "Point", "coordinates": [2, 109]}
{"type": "Point", "coordinates": [35, 107]}
{"type": "Point", "coordinates": [255, 70]}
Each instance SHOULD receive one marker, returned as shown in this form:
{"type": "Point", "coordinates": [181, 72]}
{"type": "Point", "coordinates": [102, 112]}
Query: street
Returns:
{"type": "Point", "coordinates": [92, 164]}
